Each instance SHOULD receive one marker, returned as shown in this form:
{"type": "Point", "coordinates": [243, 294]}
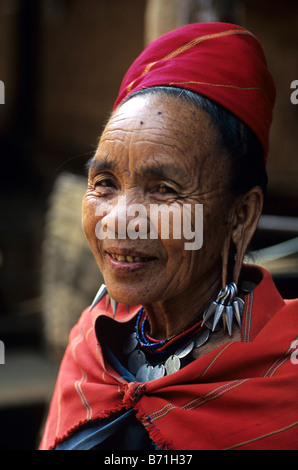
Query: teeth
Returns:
{"type": "Point", "coordinates": [128, 259]}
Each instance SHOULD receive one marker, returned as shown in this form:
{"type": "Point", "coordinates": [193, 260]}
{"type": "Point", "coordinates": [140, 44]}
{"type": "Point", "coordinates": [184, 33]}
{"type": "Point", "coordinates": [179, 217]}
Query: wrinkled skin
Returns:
{"type": "Point", "coordinates": [162, 150]}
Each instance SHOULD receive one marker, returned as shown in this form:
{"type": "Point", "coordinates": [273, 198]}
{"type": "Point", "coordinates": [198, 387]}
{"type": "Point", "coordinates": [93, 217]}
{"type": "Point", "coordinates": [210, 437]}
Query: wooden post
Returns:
{"type": "Point", "coordinates": [164, 15]}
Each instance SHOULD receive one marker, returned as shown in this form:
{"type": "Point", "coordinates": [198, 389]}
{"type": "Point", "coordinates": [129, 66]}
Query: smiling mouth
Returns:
{"type": "Point", "coordinates": [130, 259]}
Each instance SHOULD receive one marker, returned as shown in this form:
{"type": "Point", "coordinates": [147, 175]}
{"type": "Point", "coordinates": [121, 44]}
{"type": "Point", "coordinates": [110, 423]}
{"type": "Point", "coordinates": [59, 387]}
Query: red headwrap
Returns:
{"type": "Point", "coordinates": [221, 61]}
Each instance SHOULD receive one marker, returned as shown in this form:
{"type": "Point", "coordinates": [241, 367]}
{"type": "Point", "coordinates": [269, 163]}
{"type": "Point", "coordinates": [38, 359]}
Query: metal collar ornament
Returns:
{"type": "Point", "coordinates": [149, 359]}
{"type": "Point", "coordinates": [224, 308]}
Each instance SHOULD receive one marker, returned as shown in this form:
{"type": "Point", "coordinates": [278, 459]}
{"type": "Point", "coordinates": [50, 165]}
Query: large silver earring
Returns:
{"type": "Point", "coordinates": [224, 308]}
{"type": "Point", "coordinates": [102, 292]}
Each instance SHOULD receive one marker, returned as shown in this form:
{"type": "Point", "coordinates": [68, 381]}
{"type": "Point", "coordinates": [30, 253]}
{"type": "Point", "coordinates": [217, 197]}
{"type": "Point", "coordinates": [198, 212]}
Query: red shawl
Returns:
{"type": "Point", "coordinates": [242, 395]}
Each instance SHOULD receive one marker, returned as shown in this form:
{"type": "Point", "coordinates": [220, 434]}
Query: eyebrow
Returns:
{"type": "Point", "coordinates": [98, 165]}
{"type": "Point", "coordinates": [162, 170]}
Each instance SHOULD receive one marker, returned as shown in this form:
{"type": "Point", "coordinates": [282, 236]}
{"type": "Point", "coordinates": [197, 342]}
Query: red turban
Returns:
{"type": "Point", "coordinates": [221, 61]}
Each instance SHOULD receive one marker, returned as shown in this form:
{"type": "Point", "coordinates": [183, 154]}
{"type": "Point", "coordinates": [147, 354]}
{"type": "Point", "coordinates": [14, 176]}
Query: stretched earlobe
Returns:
{"type": "Point", "coordinates": [226, 261]}
{"type": "Point", "coordinates": [240, 253]}
{"type": "Point", "coordinates": [232, 260]}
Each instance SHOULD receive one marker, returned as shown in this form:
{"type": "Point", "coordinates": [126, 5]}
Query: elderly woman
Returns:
{"type": "Point", "coordinates": [194, 349]}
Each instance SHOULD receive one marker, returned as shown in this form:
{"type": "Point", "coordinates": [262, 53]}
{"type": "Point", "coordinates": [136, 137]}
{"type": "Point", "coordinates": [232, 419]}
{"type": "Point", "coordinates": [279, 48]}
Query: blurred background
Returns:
{"type": "Point", "coordinates": [62, 62]}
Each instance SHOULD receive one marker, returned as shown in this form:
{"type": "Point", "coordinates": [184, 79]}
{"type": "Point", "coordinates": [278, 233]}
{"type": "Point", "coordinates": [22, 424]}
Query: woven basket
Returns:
{"type": "Point", "coordinates": [70, 276]}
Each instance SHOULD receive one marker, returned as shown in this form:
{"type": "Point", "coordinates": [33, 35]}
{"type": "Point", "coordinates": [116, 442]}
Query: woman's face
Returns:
{"type": "Point", "coordinates": [158, 152]}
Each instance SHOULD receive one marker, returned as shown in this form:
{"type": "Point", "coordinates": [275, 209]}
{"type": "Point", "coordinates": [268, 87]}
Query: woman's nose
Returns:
{"type": "Point", "coordinates": [126, 219]}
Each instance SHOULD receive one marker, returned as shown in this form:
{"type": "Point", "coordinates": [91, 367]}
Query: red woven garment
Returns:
{"type": "Point", "coordinates": [221, 61]}
{"type": "Point", "coordinates": [242, 395]}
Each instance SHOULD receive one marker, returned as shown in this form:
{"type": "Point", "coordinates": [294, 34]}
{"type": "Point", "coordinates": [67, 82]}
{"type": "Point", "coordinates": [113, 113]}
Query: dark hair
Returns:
{"type": "Point", "coordinates": [240, 142]}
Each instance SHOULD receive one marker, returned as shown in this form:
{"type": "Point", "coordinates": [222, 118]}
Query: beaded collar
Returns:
{"type": "Point", "coordinates": [149, 359]}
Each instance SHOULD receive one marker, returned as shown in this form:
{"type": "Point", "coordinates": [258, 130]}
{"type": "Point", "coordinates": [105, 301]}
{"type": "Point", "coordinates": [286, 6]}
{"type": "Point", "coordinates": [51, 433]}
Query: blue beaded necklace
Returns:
{"type": "Point", "coordinates": [163, 345]}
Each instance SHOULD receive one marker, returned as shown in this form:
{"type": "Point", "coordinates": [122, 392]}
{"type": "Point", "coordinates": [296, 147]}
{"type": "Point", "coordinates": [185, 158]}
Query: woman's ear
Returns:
{"type": "Point", "coordinates": [247, 211]}
{"type": "Point", "coordinates": [243, 221]}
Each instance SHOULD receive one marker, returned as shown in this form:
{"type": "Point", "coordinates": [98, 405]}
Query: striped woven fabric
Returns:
{"type": "Point", "coordinates": [242, 395]}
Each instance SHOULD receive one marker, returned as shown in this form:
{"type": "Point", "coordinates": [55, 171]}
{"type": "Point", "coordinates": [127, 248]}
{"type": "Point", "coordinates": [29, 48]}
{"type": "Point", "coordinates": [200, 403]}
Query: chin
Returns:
{"type": "Point", "coordinates": [130, 294]}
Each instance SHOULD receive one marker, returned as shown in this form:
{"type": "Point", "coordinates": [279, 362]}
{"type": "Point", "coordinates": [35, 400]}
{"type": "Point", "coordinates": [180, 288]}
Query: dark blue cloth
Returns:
{"type": "Point", "coordinates": [119, 432]}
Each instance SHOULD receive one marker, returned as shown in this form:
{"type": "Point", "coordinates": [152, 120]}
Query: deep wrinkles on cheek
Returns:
{"type": "Point", "coordinates": [89, 221]}
{"type": "Point", "coordinates": [88, 207]}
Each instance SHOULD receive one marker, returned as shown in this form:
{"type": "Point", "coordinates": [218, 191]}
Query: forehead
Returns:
{"type": "Point", "coordinates": [162, 128]}
{"type": "Point", "coordinates": [173, 117]}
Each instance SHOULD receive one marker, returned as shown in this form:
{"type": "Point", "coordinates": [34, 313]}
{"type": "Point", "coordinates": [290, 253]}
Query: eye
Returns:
{"type": "Point", "coordinates": [105, 183]}
{"type": "Point", "coordinates": [163, 188]}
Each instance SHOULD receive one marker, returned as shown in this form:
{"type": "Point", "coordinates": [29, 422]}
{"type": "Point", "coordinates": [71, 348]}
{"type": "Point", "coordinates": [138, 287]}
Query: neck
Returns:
{"type": "Point", "coordinates": [170, 317]}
